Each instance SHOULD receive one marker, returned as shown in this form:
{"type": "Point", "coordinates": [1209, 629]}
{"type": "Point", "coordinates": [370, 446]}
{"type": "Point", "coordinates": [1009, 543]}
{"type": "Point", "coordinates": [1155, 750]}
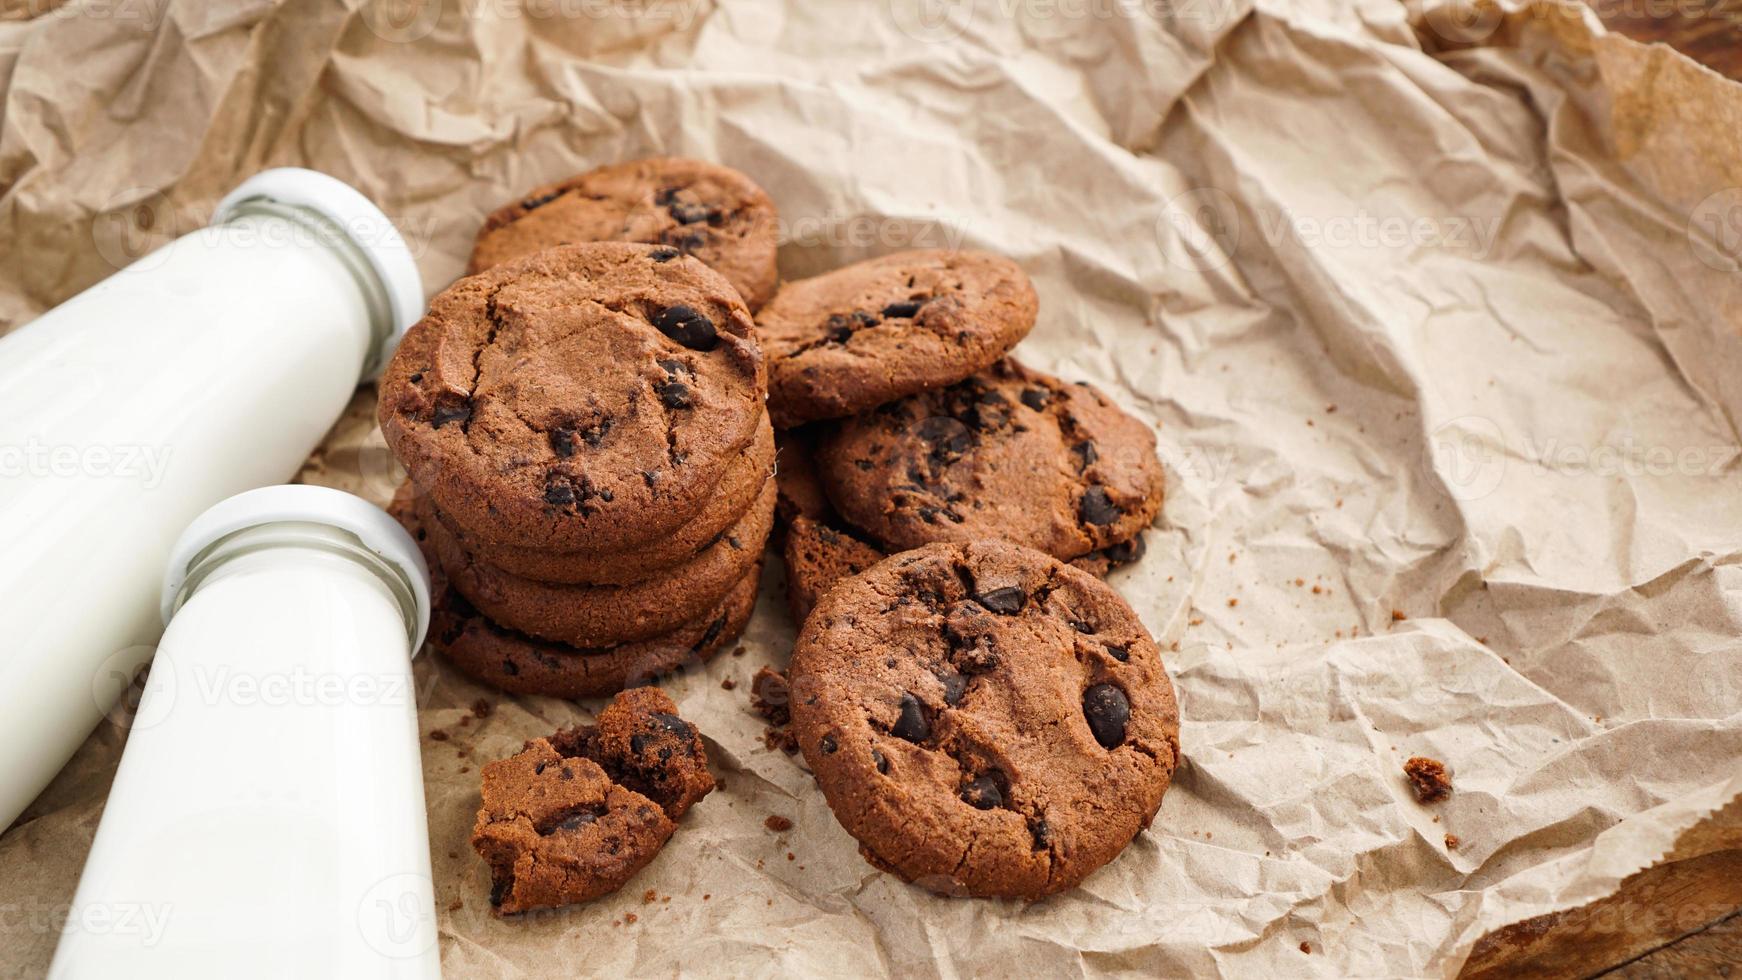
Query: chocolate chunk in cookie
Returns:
{"type": "Point", "coordinates": [558, 359]}
{"type": "Point", "coordinates": [979, 460]}
{"type": "Point", "coordinates": [849, 340]}
{"type": "Point", "coordinates": [684, 206]}
{"type": "Point", "coordinates": [983, 718]}
{"type": "Point", "coordinates": [576, 815]}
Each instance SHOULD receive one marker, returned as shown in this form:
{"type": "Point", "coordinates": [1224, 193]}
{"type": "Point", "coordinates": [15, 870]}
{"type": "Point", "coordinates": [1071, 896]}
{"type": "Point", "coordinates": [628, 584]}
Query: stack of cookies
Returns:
{"type": "Point", "coordinates": [905, 423]}
{"type": "Point", "coordinates": [590, 464]}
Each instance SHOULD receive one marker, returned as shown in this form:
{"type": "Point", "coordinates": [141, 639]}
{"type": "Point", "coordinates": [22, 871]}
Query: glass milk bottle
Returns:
{"type": "Point", "coordinates": [268, 816]}
{"type": "Point", "coordinates": [210, 366]}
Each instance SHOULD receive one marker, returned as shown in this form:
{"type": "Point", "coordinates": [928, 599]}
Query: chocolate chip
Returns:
{"type": "Point", "coordinates": [1085, 453]}
{"type": "Point", "coordinates": [562, 442]}
{"type": "Point", "coordinates": [1041, 834]}
{"type": "Point", "coordinates": [1082, 627]}
{"type": "Point", "coordinates": [946, 439]}
{"type": "Point", "coordinates": [983, 793]}
{"type": "Point", "coordinates": [1119, 653]}
{"type": "Point", "coordinates": [559, 494]}
{"type": "Point", "coordinates": [638, 743]}
{"type": "Point", "coordinates": [1126, 552]}
{"type": "Point", "coordinates": [1006, 601]}
{"type": "Point", "coordinates": [685, 213]}
{"type": "Point", "coordinates": [499, 889]}
{"type": "Point", "coordinates": [674, 367]}
{"type": "Point", "coordinates": [1034, 398]}
{"type": "Point", "coordinates": [913, 724]}
{"type": "Point", "coordinates": [955, 685]}
{"type": "Point", "coordinates": [828, 745]}
{"type": "Point", "coordinates": [673, 724]}
{"type": "Point", "coordinates": [688, 327]}
{"type": "Point", "coordinates": [534, 203]}
{"type": "Point", "coordinates": [880, 762]}
{"type": "Point", "coordinates": [688, 241]}
{"type": "Point", "coordinates": [451, 412]}
{"type": "Point", "coordinates": [663, 254]}
{"type": "Point", "coordinates": [906, 309]}
{"type": "Point", "coordinates": [673, 394]}
{"type": "Point", "coordinates": [1097, 508]}
{"type": "Point", "coordinates": [1108, 712]}
{"type": "Point", "coordinates": [575, 821]}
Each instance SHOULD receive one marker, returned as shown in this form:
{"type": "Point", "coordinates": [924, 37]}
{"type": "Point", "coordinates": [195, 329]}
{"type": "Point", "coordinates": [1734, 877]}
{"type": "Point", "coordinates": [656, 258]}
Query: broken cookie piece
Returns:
{"type": "Point", "coordinates": [574, 816]}
{"type": "Point", "coordinates": [1429, 778]}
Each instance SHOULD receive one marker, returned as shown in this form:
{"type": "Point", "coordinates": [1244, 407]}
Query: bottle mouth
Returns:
{"type": "Point", "coordinates": [356, 231]}
{"type": "Point", "coordinates": [308, 517]}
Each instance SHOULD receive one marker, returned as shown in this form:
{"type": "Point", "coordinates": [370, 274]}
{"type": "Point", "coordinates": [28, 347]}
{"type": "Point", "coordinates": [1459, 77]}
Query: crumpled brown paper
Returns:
{"type": "Point", "coordinates": [1435, 312]}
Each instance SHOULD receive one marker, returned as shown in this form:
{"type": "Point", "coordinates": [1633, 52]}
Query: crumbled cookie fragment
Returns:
{"type": "Point", "coordinates": [770, 696]}
{"type": "Point", "coordinates": [576, 815]}
{"type": "Point", "coordinates": [777, 823]}
{"type": "Point", "coordinates": [1429, 778]}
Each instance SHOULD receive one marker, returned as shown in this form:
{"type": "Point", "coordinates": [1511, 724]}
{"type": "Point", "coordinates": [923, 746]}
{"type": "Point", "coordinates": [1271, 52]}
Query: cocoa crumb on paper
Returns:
{"type": "Point", "coordinates": [777, 823]}
{"type": "Point", "coordinates": [1429, 778]}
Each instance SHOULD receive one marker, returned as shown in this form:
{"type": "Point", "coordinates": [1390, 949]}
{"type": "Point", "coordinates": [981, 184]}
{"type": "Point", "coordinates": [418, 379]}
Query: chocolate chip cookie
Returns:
{"type": "Point", "coordinates": [711, 212]}
{"type": "Point", "coordinates": [983, 718]}
{"type": "Point", "coordinates": [520, 664]}
{"type": "Point", "coordinates": [576, 815]}
{"type": "Point", "coordinates": [600, 615]}
{"type": "Point", "coordinates": [1008, 453]}
{"type": "Point", "coordinates": [584, 398]}
{"type": "Point", "coordinates": [817, 557]}
{"type": "Point", "coordinates": [732, 499]}
{"type": "Point", "coordinates": [850, 340]}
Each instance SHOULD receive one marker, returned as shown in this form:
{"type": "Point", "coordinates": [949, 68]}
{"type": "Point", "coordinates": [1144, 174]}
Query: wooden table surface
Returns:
{"type": "Point", "coordinates": [1683, 918]}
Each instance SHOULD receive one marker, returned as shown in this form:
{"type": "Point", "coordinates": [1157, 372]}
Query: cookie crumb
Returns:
{"type": "Point", "coordinates": [1233, 602]}
{"type": "Point", "coordinates": [1397, 616]}
{"type": "Point", "coordinates": [1452, 842]}
{"type": "Point", "coordinates": [438, 736]}
{"type": "Point", "coordinates": [770, 696]}
{"type": "Point", "coordinates": [630, 918]}
{"type": "Point", "coordinates": [738, 651]}
{"type": "Point", "coordinates": [482, 708]}
{"type": "Point", "coordinates": [1429, 779]}
{"type": "Point", "coordinates": [1306, 947]}
{"type": "Point", "coordinates": [649, 896]}
{"type": "Point", "coordinates": [728, 684]}
{"type": "Point", "coordinates": [456, 905]}
{"type": "Point", "coordinates": [791, 856]}
{"type": "Point", "coordinates": [777, 823]}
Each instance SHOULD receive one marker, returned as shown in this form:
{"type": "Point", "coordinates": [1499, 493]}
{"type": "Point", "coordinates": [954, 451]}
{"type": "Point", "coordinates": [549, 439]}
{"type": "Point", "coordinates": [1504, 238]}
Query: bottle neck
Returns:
{"type": "Point", "coordinates": [322, 231]}
{"type": "Point", "coordinates": [290, 540]}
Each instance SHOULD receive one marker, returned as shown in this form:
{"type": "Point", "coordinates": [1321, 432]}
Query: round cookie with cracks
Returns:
{"type": "Point", "coordinates": [849, 340]}
{"type": "Point", "coordinates": [585, 398]}
{"type": "Point", "coordinates": [1008, 453]}
{"type": "Point", "coordinates": [697, 208]}
{"type": "Point", "coordinates": [984, 719]}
